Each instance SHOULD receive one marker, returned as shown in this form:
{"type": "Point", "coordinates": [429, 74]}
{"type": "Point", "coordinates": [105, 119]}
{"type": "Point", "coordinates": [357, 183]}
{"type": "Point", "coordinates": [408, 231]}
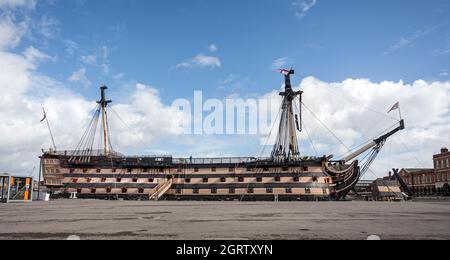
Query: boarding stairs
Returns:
{"type": "Point", "coordinates": [161, 189]}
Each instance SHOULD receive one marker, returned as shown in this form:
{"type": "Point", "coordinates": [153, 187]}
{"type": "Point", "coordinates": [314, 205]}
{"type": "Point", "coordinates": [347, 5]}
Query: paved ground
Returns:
{"type": "Point", "coordinates": [224, 220]}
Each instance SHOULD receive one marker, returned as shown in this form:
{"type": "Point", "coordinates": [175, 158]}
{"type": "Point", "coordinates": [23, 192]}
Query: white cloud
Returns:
{"type": "Point", "coordinates": [281, 63]}
{"type": "Point", "coordinates": [213, 48]}
{"type": "Point", "coordinates": [105, 52]}
{"type": "Point", "coordinates": [201, 60]}
{"type": "Point", "coordinates": [302, 7]}
{"type": "Point", "coordinates": [71, 46]}
{"type": "Point", "coordinates": [79, 76]}
{"type": "Point", "coordinates": [10, 32]}
{"type": "Point", "coordinates": [17, 3]}
{"type": "Point", "coordinates": [89, 59]}
{"type": "Point", "coordinates": [118, 76]}
{"type": "Point", "coordinates": [34, 55]}
{"type": "Point", "coordinates": [348, 109]}
{"type": "Point", "coordinates": [408, 41]}
{"type": "Point", "coordinates": [48, 26]}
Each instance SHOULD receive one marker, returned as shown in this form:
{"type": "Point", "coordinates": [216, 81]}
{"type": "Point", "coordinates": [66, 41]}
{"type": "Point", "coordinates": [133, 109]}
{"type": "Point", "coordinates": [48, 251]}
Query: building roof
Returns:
{"type": "Point", "coordinates": [418, 170]}
{"type": "Point", "coordinates": [388, 183]}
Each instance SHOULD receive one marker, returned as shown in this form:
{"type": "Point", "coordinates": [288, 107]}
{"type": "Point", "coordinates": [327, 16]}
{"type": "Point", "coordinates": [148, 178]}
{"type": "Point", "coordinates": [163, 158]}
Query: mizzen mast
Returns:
{"type": "Point", "coordinates": [286, 148]}
{"type": "Point", "coordinates": [103, 104]}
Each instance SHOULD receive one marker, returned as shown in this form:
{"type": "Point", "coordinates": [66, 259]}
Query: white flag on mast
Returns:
{"type": "Point", "coordinates": [395, 107]}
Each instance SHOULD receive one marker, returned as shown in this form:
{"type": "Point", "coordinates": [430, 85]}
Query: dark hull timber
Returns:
{"type": "Point", "coordinates": [220, 179]}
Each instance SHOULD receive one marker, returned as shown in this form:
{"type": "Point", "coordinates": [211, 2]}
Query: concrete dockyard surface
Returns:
{"type": "Point", "coordinates": [224, 220]}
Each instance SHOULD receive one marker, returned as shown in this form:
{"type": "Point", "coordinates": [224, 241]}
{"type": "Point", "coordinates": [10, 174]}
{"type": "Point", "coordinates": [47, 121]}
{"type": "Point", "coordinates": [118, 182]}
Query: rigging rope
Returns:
{"type": "Point", "coordinates": [326, 127]}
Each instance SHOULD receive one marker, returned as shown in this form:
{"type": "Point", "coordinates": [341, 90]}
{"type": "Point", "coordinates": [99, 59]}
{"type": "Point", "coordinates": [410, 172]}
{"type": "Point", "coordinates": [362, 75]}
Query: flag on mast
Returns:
{"type": "Point", "coordinates": [395, 107]}
{"type": "Point", "coordinates": [45, 116]}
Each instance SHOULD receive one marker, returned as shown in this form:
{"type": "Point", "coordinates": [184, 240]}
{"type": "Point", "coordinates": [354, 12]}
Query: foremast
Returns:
{"type": "Point", "coordinates": [286, 148]}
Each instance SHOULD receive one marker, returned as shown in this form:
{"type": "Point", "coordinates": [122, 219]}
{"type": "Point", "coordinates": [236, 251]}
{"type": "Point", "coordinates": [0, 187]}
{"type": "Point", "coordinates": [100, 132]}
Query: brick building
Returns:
{"type": "Point", "coordinates": [429, 182]}
{"type": "Point", "coordinates": [442, 170]}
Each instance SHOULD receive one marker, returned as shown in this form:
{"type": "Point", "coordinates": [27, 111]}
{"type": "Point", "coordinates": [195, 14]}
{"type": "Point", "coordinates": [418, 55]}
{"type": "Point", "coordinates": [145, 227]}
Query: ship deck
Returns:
{"type": "Point", "coordinates": [224, 220]}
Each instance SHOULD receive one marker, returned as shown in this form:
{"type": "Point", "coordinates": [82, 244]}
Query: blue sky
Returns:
{"type": "Point", "coordinates": [375, 52]}
{"type": "Point", "coordinates": [333, 41]}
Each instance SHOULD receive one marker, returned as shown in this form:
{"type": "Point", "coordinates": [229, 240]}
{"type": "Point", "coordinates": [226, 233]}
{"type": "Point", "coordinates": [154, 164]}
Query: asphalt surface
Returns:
{"type": "Point", "coordinates": [224, 220]}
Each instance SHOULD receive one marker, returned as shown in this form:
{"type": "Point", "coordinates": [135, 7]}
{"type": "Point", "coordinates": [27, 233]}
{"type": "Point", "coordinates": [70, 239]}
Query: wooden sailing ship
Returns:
{"type": "Point", "coordinates": [285, 175]}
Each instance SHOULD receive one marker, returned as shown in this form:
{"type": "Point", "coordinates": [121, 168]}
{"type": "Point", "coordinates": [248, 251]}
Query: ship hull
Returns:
{"type": "Point", "coordinates": [220, 179]}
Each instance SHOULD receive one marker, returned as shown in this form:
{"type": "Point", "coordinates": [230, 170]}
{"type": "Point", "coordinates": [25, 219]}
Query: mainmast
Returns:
{"type": "Point", "coordinates": [286, 148]}
{"type": "Point", "coordinates": [103, 104]}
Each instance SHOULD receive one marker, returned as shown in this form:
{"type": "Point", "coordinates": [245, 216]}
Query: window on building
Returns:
{"type": "Point", "coordinates": [213, 190]}
{"type": "Point", "coordinates": [241, 179]}
{"type": "Point", "coordinates": [214, 169]}
{"type": "Point", "coordinates": [196, 170]}
{"type": "Point", "coordinates": [259, 179]}
{"type": "Point", "coordinates": [141, 190]}
{"type": "Point", "coordinates": [296, 179]}
{"type": "Point", "coordinates": [205, 180]}
{"type": "Point", "coordinates": [187, 180]}
{"type": "Point", "coordinates": [108, 190]}
{"type": "Point", "coordinates": [277, 179]}
{"type": "Point", "coordinates": [223, 180]}
{"type": "Point", "coordinates": [196, 191]}
{"type": "Point", "coordinates": [151, 180]}
{"type": "Point", "coordinates": [269, 190]}
{"type": "Point", "coordinates": [232, 191]}
{"type": "Point", "coordinates": [99, 170]}
{"type": "Point", "coordinates": [135, 180]}
{"type": "Point", "coordinates": [119, 180]}
{"type": "Point", "coordinates": [124, 190]}
{"type": "Point", "coordinates": [308, 190]}
{"type": "Point", "coordinates": [289, 190]}
{"type": "Point", "coordinates": [103, 179]}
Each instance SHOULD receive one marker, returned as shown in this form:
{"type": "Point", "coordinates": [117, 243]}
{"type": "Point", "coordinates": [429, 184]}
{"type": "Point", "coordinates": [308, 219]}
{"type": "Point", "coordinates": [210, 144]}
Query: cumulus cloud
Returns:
{"type": "Point", "coordinates": [201, 60]}
{"type": "Point", "coordinates": [356, 110]}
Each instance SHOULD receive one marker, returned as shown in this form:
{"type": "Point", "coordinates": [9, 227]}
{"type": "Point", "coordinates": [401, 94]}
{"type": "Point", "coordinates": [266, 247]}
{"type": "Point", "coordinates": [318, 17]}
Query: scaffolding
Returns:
{"type": "Point", "coordinates": [15, 189]}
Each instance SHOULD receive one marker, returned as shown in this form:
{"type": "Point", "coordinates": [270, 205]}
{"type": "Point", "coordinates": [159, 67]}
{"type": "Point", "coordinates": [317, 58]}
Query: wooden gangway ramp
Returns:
{"type": "Point", "coordinates": [161, 189]}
